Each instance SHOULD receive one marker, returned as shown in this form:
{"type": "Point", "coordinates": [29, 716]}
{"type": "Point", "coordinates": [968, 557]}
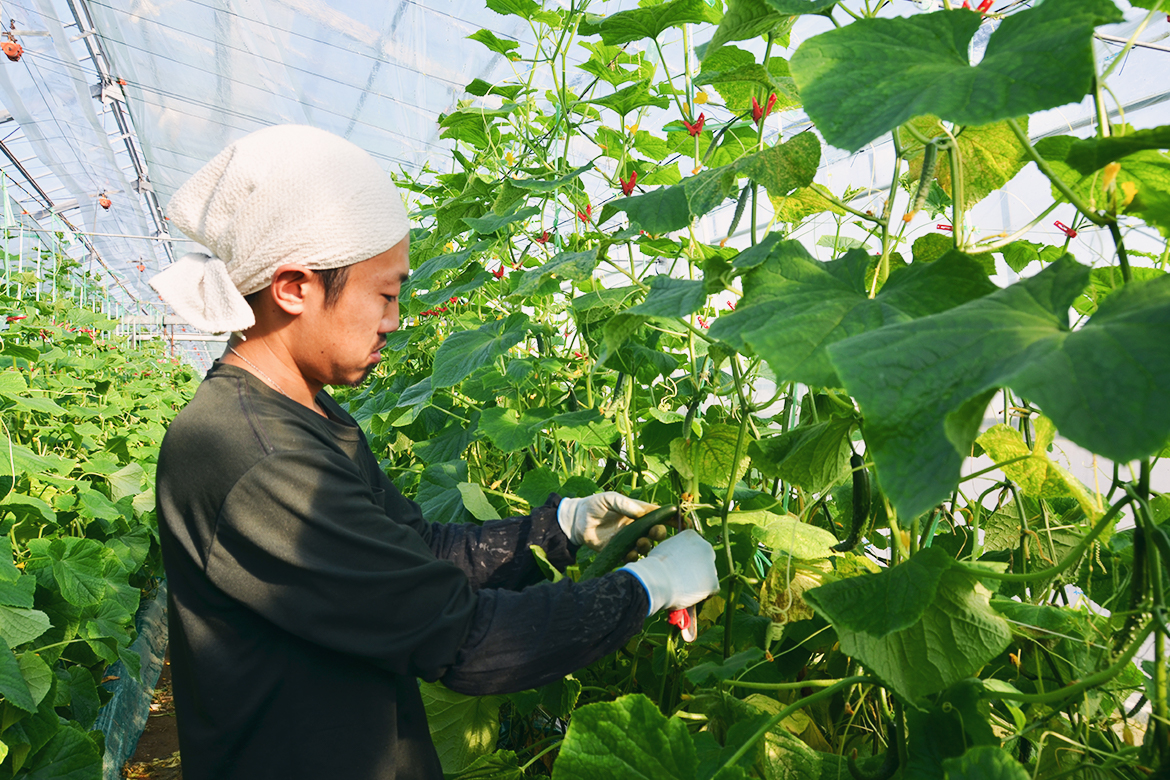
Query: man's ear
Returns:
{"type": "Point", "coordinates": [292, 286]}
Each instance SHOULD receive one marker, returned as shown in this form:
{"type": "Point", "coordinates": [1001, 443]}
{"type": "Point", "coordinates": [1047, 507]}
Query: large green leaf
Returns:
{"type": "Point", "coordinates": [567, 266]}
{"type": "Point", "coordinates": [1038, 475]}
{"type": "Point", "coordinates": [438, 494]}
{"type": "Point", "coordinates": [780, 169]}
{"type": "Point", "coordinates": [464, 352]}
{"type": "Point", "coordinates": [628, 738]}
{"type": "Point", "coordinates": [639, 23]}
{"type": "Point", "coordinates": [739, 78]}
{"type": "Point", "coordinates": [71, 754]}
{"type": "Point", "coordinates": [463, 728]}
{"type": "Point", "coordinates": [870, 76]}
{"type": "Point", "coordinates": [746, 19]}
{"type": "Point", "coordinates": [923, 385]}
{"type": "Point", "coordinates": [19, 625]}
{"type": "Point", "coordinates": [512, 431]}
{"type": "Point", "coordinates": [77, 565]}
{"type": "Point", "coordinates": [786, 534]}
{"type": "Point", "coordinates": [991, 155]}
{"type": "Point", "coordinates": [1141, 188]}
{"type": "Point", "coordinates": [631, 98]}
{"type": "Point", "coordinates": [13, 687]}
{"type": "Point", "coordinates": [495, 43]}
{"type": "Point", "coordinates": [493, 222]}
{"type": "Point", "coordinates": [811, 456]}
{"type": "Point", "coordinates": [984, 762]}
{"type": "Point", "coordinates": [475, 502]}
{"type": "Point", "coordinates": [671, 297]}
{"type": "Point", "coordinates": [801, 6]}
{"type": "Point", "coordinates": [920, 626]}
{"type": "Point", "coordinates": [709, 458]}
{"type": "Point", "coordinates": [1086, 155]}
{"type": "Point", "coordinates": [796, 306]}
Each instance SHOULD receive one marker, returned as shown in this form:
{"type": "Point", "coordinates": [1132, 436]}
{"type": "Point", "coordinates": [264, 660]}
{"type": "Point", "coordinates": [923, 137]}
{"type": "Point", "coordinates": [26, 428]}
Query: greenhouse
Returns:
{"type": "Point", "coordinates": [682, 389]}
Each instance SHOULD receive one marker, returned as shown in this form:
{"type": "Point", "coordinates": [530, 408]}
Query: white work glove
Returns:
{"type": "Point", "coordinates": [594, 520]}
{"type": "Point", "coordinates": [678, 573]}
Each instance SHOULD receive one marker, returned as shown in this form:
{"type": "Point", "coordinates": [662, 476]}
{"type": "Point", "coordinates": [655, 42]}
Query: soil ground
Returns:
{"type": "Point", "coordinates": [157, 754]}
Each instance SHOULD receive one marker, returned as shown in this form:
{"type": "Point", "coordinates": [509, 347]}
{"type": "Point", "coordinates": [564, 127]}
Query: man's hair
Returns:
{"type": "Point", "coordinates": [332, 282]}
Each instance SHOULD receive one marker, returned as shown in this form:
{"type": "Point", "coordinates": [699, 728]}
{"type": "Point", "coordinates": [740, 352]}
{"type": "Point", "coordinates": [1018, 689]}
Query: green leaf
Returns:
{"type": "Point", "coordinates": [728, 669]}
{"type": "Point", "coordinates": [19, 626]}
{"type": "Point", "coordinates": [19, 592]}
{"type": "Point", "coordinates": [481, 88]}
{"type": "Point", "coordinates": [127, 481]}
{"type": "Point", "coordinates": [449, 444]}
{"type": "Point", "coordinates": [920, 626]}
{"type": "Point", "coordinates": [510, 430]}
{"type": "Point", "coordinates": [36, 675]}
{"type": "Point", "coordinates": [710, 458]}
{"type": "Point", "coordinates": [985, 762]}
{"type": "Point", "coordinates": [1106, 386]}
{"type": "Point", "coordinates": [71, 754]}
{"type": "Point", "coordinates": [782, 168]}
{"type": "Point", "coordinates": [522, 8]}
{"type": "Point", "coordinates": [425, 272]}
{"type": "Point", "coordinates": [83, 695]}
{"type": "Point", "coordinates": [12, 384]}
{"type": "Point", "coordinates": [739, 78]}
{"type": "Point", "coordinates": [1086, 155]}
{"type": "Point", "coordinates": [78, 569]}
{"type": "Point", "coordinates": [567, 266]}
{"type": "Point", "coordinates": [501, 765]}
{"type": "Point", "coordinates": [495, 43]}
{"type": "Point", "coordinates": [805, 202]}
{"type": "Point", "coordinates": [536, 486]}
{"type": "Point", "coordinates": [630, 99]}
{"type": "Point", "coordinates": [475, 502]}
{"type": "Point", "coordinates": [627, 737]}
{"type": "Point", "coordinates": [658, 211]}
{"type": "Point", "coordinates": [542, 185]}
{"type": "Point", "coordinates": [801, 6]}
{"type": "Point", "coordinates": [1038, 476]}
{"type": "Point", "coordinates": [670, 297]}
{"type": "Point", "coordinates": [1141, 187]}
{"type": "Point", "coordinates": [463, 728]}
{"type": "Point", "coordinates": [991, 154]}
{"type": "Point", "coordinates": [1106, 280]}
{"type": "Point", "coordinates": [1020, 254]}
{"type": "Point", "coordinates": [464, 352]}
{"type": "Point", "coordinates": [796, 306]}
{"type": "Point", "coordinates": [473, 126]}
{"type": "Point", "coordinates": [438, 492]}
{"type": "Point", "coordinates": [639, 23]}
{"type": "Point", "coordinates": [786, 535]}
{"type": "Point", "coordinates": [746, 19]}
{"type": "Point", "coordinates": [25, 461]}
{"type": "Point", "coordinates": [811, 456]}
{"type": "Point", "coordinates": [493, 222]}
{"type": "Point", "coordinates": [870, 76]}
{"type": "Point", "coordinates": [12, 684]}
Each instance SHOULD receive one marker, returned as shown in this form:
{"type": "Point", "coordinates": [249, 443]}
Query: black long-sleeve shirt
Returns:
{"type": "Point", "coordinates": [307, 595]}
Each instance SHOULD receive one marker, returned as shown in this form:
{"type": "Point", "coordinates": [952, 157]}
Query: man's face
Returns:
{"type": "Point", "coordinates": [342, 343]}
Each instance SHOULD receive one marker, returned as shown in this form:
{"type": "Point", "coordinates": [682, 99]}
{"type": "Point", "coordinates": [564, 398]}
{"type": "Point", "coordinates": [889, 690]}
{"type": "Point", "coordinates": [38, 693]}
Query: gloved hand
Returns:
{"type": "Point", "coordinates": [594, 520]}
{"type": "Point", "coordinates": [678, 573]}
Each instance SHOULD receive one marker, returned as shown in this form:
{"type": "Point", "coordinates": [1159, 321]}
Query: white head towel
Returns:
{"type": "Point", "coordinates": [284, 194]}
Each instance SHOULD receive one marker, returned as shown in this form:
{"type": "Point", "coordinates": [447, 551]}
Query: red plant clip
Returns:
{"type": "Point", "coordinates": [16, 317]}
{"type": "Point", "coordinates": [945, 228]}
{"type": "Point", "coordinates": [12, 50]}
{"type": "Point", "coordinates": [731, 305]}
{"type": "Point", "coordinates": [499, 272]}
{"type": "Point", "coordinates": [985, 6]}
{"type": "Point", "coordinates": [1063, 228]}
{"type": "Point", "coordinates": [967, 4]}
{"type": "Point", "coordinates": [628, 186]}
{"type": "Point", "coordinates": [697, 127]}
{"type": "Point", "coordinates": [702, 322]}
{"type": "Point", "coordinates": [586, 216]}
{"type": "Point", "coordinates": [105, 202]}
{"type": "Point", "coordinates": [760, 113]}
{"type": "Point", "coordinates": [543, 239]}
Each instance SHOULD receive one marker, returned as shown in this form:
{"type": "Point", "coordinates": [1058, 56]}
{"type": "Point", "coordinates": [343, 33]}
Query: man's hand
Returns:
{"type": "Point", "coordinates": [678, 573]}
{"type": "Point", "coordinates": [594, 520]}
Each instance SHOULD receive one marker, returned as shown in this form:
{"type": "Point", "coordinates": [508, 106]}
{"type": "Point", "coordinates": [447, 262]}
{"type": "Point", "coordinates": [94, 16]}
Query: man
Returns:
{"type": "Point", "coordinates": [306, 593]}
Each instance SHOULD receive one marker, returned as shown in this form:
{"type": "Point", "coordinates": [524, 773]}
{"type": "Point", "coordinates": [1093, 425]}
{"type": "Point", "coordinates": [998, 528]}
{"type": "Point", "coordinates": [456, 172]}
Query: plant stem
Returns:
{"type": "Point", "coordinates": [1132, 39]}
{"type": "Point", "coordinates": [745, 410]}
{"type": "Point", "coordinates": [784, 713]}
{"type": "Point", "coordinates": [1122, 257]}
{"type": "Point", "coordinates": [789, 686]}
{"type": "Point", "coordinates": [1057, 182]}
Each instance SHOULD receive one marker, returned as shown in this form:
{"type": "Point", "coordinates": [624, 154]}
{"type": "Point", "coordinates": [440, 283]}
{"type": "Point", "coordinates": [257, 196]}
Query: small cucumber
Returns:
{"type": "Point", "coordinates": [624, 540]}
{"type": "Point", "coordinates": [861, 505]}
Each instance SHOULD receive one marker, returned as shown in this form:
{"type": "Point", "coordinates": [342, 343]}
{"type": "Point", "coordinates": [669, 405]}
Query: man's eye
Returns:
{"type": "Point", "coordinates": [391, 298]}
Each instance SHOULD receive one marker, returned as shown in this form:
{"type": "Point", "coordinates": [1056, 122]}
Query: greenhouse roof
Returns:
{"type": "Point", "coordinates": [124, 99]}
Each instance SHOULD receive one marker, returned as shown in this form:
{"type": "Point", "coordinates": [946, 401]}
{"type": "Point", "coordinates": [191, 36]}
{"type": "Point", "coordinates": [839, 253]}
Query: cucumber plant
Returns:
{"type": "Point", "coordinates": [884, 612]}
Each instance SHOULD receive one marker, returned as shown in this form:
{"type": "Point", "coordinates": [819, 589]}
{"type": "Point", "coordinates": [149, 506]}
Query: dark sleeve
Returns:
{"type": "Point", "coordinates": [523, 640]}
{"type": "Point", "coordinates": [494, 554]}
{"type": "Point", "coordinates": [303, 541]}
